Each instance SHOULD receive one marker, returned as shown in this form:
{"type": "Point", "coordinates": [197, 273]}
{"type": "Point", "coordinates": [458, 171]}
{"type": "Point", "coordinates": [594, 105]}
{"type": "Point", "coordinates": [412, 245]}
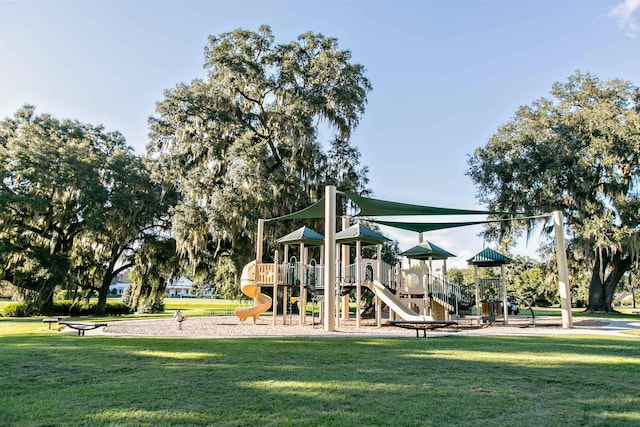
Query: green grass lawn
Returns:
{"type": "Point", "coordinates": [53, 379]}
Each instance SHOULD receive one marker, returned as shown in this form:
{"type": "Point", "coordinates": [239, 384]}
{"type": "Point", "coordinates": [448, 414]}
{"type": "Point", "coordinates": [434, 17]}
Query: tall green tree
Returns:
{"type": "Point", "coordinates": [136, 214]}
{"type": "Point", "coordinates": [576, 151]}
{"type": "Point", "coordinates": [49, 192]}
{"type": "Point", "coordinates": [74, 202]}
{"type": "Point", "coordinates": [242, 143]}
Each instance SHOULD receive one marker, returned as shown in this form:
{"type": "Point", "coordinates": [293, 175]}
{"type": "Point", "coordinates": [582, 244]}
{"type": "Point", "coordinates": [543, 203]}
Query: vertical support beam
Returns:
{"type": "Point", "coordinates": [478, 304]}
{"type": "Point", "coordinates": [358, 282]}
{"type": "Point", "coordinates": [259, 239]}
{"type": "Point", "coordinates": [303, 283]}
{"type": "Point", "coordinates": [274, 303]}
{"type": "Point", "coordinates": [345, 261]}
{"type": "Point", "coordinates": [329, 257]}
{"type": "Point", "coordinates": [379, 279]}
{"type": "Point", "coordinates": [563, 270]}
{"type": "Point", "coordinates": [505, 306]}
{"type": "Point", "coordinates": [284, 279]}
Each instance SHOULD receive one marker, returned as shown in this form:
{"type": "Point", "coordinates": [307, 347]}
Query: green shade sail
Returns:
{"type": "Point", "coordinates": [489, 258]}
{"type": "Point", "coordinates": [360, 233]}
{"type": "Point", "coordinates": [425, 226]}
{"type": "Point", "coordinates": [375, 207]}
{"type": "Point", "coordinates": [425, 251]}
{"type": "Point", "coordinates": [313, 211]}
{"type": "Point", "coordinates": [304, 235]}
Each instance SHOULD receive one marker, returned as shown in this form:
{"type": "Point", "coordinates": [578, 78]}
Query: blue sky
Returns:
{"type": "Point", "coordinates": [445, 74]}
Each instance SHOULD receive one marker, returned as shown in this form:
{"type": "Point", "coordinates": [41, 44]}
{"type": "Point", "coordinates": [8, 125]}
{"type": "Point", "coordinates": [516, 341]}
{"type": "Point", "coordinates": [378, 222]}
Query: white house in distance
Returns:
{"type": "Point", "coordinates": [178, 288]}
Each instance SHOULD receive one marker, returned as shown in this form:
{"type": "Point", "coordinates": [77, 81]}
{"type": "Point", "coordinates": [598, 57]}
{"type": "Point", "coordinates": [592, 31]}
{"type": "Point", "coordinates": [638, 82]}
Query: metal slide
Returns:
{"type": "Point", "coordinates": [248, 286]}
{"type": "Point", "coordinates": [395, 304]}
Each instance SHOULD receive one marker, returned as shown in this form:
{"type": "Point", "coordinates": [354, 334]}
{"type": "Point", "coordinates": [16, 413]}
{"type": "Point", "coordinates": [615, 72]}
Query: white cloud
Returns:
{"type": "Point", "coordinates": [623, 13]}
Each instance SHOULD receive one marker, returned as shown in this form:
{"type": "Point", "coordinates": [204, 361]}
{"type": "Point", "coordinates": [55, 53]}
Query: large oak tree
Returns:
{"type": "Point", "coordinates": [75, 202]}
{"type": "Point", "coordinates": [577, 151]}
{"type": "Point", "coordinates": [245, 142]}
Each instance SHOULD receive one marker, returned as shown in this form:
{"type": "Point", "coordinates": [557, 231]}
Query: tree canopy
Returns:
{"type": "Point", "coordinates": [74, 202]}
{"type": "Point", "coordinates": [244, 143]}
{"type": "Point", "coordinates": [577, 151]}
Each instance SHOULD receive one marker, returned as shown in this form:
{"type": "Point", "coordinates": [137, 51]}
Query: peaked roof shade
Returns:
{"type": "Point", "coordinates": [303, 235]}
{"type": "Point", "coordinates": [374, 207]}
{"type": "Point", "coordinates": [426, 226]}
{"type": "Point", "coordinates": [427, 250]}
{"type": "Point", "coordinates": [489, 258]}
{"type": "Point", "coordinates": [360, 233]}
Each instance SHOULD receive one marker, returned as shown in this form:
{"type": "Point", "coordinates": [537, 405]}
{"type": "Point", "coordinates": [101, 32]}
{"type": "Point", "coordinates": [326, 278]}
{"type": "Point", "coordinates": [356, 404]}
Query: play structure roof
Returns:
{"type": "Point", "coordinates": [360, 233]}
{"type": "Point", "coordinates": [489, 258]}
{"type": "Point", "coordinates": [302, 235]}
{"type": "Point", "coordinates": [374, 207]}
{"type": "Point", "coordinates": [425, 251]}
{"type": "Point", "coordinates": [425, 226]}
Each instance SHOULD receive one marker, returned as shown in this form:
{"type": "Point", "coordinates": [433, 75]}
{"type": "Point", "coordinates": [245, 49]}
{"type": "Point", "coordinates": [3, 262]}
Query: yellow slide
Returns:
{"type": "Point", "coordinates": [250, 289]}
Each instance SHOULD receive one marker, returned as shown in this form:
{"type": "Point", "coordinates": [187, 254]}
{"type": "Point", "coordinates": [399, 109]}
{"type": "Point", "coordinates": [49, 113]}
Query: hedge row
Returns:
{"type": "Point", "coordinates": [66, 308]}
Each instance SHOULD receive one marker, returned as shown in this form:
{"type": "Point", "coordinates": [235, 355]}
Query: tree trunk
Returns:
{"type": "Point", "coordinates": [601, 293]}
{"type": "Point", "coordinates": [45, 303]}
{"type": "Point", "coordinates": [103, 292]}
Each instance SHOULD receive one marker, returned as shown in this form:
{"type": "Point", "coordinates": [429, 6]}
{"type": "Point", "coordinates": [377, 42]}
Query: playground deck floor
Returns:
{"type": "Point", "coordinates": [231, 327]}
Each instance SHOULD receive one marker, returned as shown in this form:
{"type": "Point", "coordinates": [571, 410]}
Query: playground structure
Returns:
{"type": "Point", "coordinates": [413, 294]}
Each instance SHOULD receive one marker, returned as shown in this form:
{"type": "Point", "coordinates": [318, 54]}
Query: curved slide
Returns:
{"type": "Point", "coordinates": [394, 303]}
{"type": "Point", "coordinates": [250, 289]}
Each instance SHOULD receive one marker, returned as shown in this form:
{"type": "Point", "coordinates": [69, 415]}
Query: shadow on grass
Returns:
{"type": "Point", "coordinates": [568, 380]}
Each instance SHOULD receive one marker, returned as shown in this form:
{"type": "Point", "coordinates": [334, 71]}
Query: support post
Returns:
{"type": "Point", "coordinates": [478, 304]}
{"type": "Point", "coordinates": [563, 271]}
{"type": "Point", "coordinates": [259, 239]}
{"type": "Point", "coordinates": [379, 279]}
{"type": "Point", "coordinates": [345, 258]}
{"type": "Point", "coordinates": [358, 282]}
{"type": "Point", "coordinates": [505, 306]}
{"type": "Point", "coordinates": [329, 257]}
{"type": "Point", "coordinates": [274, 303]}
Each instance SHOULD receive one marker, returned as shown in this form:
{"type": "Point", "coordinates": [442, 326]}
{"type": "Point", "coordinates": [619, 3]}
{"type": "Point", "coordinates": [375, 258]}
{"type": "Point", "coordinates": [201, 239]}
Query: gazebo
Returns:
{"type": "Point", "coordinates": [490, 258]}
{"type": "Point", "coordinates": [304, 237]}
{"type": "Point", "coordinates": [359, 235]}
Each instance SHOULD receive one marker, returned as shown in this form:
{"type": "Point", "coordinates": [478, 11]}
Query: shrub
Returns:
{"type": "Point", "coordinates": [19, 309]}
{"type": "Point", "coordinates": [155, 305]}
{"type": "Point", "coordinates": [114, 308]}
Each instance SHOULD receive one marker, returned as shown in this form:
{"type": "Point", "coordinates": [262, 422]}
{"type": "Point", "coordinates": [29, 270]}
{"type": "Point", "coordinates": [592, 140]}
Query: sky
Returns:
{"type": "Point", "coordinates": [445, 74]}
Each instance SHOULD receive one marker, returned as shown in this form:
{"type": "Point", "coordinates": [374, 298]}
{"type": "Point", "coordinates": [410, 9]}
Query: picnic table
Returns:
{"type": "Point", "coordinates": [53, 319]}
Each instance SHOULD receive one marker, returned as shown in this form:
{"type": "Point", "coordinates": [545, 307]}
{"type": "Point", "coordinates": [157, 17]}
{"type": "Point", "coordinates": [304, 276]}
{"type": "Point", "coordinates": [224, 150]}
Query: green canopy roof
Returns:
{"type": "Point", "coordinates": [489, 258]}
{"type": "Point", "coordinates": [302, 235]}
{"type": "Point", "coordinates": [426, 226]}
{"type": "Point", "coordinates": [427, 250]}
{"type": "Point", "coordinates": [374, 207]}
{"type": "Point", "coordinates": [313, 211]}
{"type": "Point", "coordinates": [360, 233]}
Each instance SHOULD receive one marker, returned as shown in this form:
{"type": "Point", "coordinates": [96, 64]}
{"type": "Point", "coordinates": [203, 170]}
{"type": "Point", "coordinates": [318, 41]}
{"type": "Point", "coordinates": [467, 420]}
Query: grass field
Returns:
{"type": "Point", "coordinates": [53, 379]}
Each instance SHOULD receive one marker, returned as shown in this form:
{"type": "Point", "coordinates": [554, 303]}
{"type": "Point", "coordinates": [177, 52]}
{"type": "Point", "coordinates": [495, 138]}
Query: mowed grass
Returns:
{"type": "Point", "coordinates": [53, 379]}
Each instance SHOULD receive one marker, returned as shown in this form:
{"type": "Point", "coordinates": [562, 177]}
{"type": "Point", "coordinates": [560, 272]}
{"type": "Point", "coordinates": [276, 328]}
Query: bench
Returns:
{"type": "Point", "coordinates": [635, 311]}
{"type": "Point", "coordinates": [54, 319]}
{"type": "Point", "coordinates": [81, 327]}
{"type": "Point", "coordinates": [422, 325]}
